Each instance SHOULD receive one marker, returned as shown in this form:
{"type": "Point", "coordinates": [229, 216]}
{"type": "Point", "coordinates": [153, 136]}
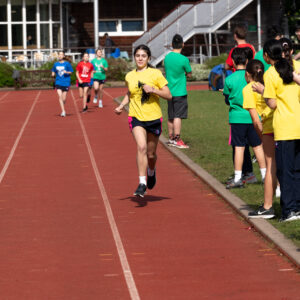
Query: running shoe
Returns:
{"type": "Point", "coordinates": [180, 144]}
{"type": "Point", "coordinates": [292, 216]}
{"type": "Point", "coordinates": [100, 104]}
{"type": "Point", "coordinates": [249, 178]}
{"type": "Point", "coordinates": [261, 212]}
{"type": "Point", "coordinates": [234, 185]}
{"type": "Point", "coordinates": [88, 98]}
{"type": "Point", "coordinates": [171, 142]}
{"type": "Point", "coordinates": [63, 114]}
{"type": "Point", "coordinates": [140, 191]}
{"type": "Point", "coordinates": [85, 109]}
{"type": "Point", "coordinates": [95, 100]}
{"type": "Point", "coordinates": [151, 181]}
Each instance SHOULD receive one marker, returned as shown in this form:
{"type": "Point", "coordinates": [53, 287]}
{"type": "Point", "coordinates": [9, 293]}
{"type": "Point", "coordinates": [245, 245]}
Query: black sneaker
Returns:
{"type": "Point", "coordinates": [262, 213]}
{"type": "Point", "coordinates": [88, 99]}
{"type": "Point", "coordinates": [151, 180]}
{"type": "Point", "coordinates": [233, 184]}
{"type": "Point", "coordinates": [85, 109]}
{"type": "Point", "coordinates": [292, 216]}
{"type": "Point", "coordinates": [141, 190]}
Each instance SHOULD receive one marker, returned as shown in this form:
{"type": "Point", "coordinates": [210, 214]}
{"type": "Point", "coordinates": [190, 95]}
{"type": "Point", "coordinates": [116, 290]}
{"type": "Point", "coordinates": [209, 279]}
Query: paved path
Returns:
{"type": "Point", "coordinates": [71, 229]}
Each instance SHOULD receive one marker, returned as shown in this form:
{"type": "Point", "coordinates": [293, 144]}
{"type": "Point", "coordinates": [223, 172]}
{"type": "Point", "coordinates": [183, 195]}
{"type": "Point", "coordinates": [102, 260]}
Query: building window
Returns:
{"type": "Point", "coordinates": [3, 11]}
{"type": "Point", "coordinates": [132, 25]}
{"type": "Point", "coordinates": [31, 10]}
{"type": "Point", "coordinates": [121, 27]}
{"type": "Point", "coordinates": [108, 26]}
{"type": "Point", "coordinates": [17, 35]}
{"type": "Point", "coordinates": [3, 34]}
{"type": "Point", "coordinates": [16, 10]}
{"type": "Point", "coordinates": [31, 36]}
{"type": "Point", "coordinates": [56, 36]}
{"type": "Point", "coordinates": [44, 35]}
{"type": "Point", "coordinates": [55, 10]}
{"type": "Point", "coordinates": [44, 10]}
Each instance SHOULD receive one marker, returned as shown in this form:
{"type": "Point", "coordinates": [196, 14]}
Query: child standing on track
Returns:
{"type": "Point", "coordinates": [262, 117]}
{"type": "Point", "coordinates": [145, 86]}
{"type": "Point", "coordinates": [100, 66]}
{"type": "Point", "coordinates": [84, 73]}
{"type": "Point", "coordinates": [242, 130]}
{"type": "Point", "coordinates": [62, 71]}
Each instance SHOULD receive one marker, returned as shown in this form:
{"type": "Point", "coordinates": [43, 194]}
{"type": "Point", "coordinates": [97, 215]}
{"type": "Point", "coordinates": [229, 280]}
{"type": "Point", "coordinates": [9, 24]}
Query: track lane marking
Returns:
{"type": "Point", "coordinates": [113, 226]}
{"type": "Point", "coordinates": [13, 149]}
{"type": "Point", "coordinates": [4, 96]}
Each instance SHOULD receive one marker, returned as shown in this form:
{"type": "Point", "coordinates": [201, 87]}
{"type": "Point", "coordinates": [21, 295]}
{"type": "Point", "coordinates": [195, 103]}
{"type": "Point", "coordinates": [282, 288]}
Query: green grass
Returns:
{"type": "Point", "coordinates": [206, 132]}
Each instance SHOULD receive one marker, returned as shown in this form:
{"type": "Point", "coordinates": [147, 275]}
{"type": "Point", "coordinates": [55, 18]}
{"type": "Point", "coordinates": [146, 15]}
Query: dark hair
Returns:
{"type": "Point", "coordinates": [287, 48]}
{"type": "Point", "coordinates": [239, 57]}
{"type": "Point", "coordinates": [177, 41]}
{"type": "Point", "coordinates": [146, 49]}
{"type": "Point", "coordinates": [273, 48]}
{"type": "Point", "coordinates": [240, 31]}
{"type": "Point", "coordinates": [274, 31]}
{"type": "Point", "coordinates": [285, 70]}
{"type": "Point", "coordinates": [256, 69]}
{"type": "Point", "coordinates": [249, 53]}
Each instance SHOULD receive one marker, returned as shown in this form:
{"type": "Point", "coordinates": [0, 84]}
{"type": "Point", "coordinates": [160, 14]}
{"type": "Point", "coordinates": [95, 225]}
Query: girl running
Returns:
{"type": "Point", "coordinates": [145, 86]}
{"type": "Point", "coordinates": [281, 94]}
{"type": "Point", "coordinates": [262, 117]}
{"type": "Point", "coordinates": [100, 66]}
{"type": "Point", "coordinates": [62, 71]}
{"type": "Point", "coordinates": [84, 73]}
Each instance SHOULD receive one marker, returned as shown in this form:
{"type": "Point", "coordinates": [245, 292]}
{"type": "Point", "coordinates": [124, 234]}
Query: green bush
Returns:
{"type": "Point", "coordinates": [6, 71]}
{"type": "Point", "coordinates": [199, 72]}
{"type": "Point", "coordinates": [214, 61]}
{"type": "Point", "coordinates": [117, 69]}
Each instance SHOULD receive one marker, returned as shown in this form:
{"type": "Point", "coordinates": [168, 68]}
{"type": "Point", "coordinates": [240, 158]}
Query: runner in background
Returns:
{"type": "Point", "coordinates": [62, 71]}
{"type": "Point", "coordinates": [145, 86]}
{"type": "Point", "coordinates": [100, 67]}
{"type": "Point", "coordinates": [84, 73]}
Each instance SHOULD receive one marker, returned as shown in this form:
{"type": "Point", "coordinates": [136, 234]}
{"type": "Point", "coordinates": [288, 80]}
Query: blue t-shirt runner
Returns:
{"type": "Point", "coordinates": [62, 78]}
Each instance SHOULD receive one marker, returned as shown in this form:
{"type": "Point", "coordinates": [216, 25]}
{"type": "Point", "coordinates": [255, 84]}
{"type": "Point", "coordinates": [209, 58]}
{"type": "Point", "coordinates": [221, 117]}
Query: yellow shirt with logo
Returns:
{"type": "Point", "coordinates": [149, 110]}
{"type": "Point", "coordinates": [286, 120]}
{"type": "Point", "coordinates": [255, 100]}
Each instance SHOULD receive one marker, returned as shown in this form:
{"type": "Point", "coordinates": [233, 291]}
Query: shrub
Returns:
{"type": "Point", "coordinates": [199, 72]}
{"type": "Point", "coordinates": [117, 69]}
{"type": "Point", "coordinates": [6, 71]}
{"type": "Point", "coordinates": [214, 61]}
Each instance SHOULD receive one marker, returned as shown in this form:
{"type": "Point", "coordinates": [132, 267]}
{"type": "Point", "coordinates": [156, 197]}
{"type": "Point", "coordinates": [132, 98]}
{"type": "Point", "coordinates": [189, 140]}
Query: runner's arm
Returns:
{"type": "Point", "coordinates": [78, 77]}
{"type": "Point", "coordinates": [256, 122]}
{"type": "Point", "coordinates": [271, 103]}
{"type": "Point", "coordinates": [124, 102]}
{"type": "Point", "coordinates": [164, 92]}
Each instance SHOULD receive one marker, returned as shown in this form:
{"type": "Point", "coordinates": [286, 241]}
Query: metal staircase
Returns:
{"type": "Point", "coordinates": [204, 17]}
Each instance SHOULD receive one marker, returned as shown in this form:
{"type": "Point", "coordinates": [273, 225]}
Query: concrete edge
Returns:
{"type": "Point", "coordinates": [269, 232]}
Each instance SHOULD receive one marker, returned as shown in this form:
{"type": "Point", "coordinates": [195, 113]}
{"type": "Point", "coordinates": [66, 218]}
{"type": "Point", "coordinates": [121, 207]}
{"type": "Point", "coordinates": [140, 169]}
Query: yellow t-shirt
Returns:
{"type": "Point", "coordinates": [286, 120]}
{"type": "Point", "coordinates": [296, 65]}
{"type": "Point", "coordinates": [150, 110]}
{"type": "Point", "coordinates": [255, 100]}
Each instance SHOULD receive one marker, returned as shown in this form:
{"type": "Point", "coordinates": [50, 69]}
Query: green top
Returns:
{"type": "Point", "coordinates": [234, 85]}
{"type": "Point", "coordinates": [176, 67]}
{"type": "Point", "coordinates": [259, 56]}
{"type": "Point", "coordinates": [99, 64]}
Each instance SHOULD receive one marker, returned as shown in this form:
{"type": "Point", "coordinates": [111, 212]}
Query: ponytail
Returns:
{"type": "Point", "coordinates": [285, 70]}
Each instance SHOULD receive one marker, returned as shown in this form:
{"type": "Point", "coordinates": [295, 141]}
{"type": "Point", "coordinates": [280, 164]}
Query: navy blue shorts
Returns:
{"type": "Point", "coordinates": [84, 84]}
{"type": "Point", "coordinates": [154, 127]}
{"type": "Point", "coordinates": [244, 134]}
{"type": "Point", "coordinates": [63, 88]}
{"type": "Point", "coordinates": [100, 81]}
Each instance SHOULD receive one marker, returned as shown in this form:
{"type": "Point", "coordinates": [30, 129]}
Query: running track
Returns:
{"type": "Point", "coordinates": [71, 229]}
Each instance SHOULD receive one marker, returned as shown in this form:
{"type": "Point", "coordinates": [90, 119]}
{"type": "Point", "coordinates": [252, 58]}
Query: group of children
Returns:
{"type": "Point", "coordinates": [88, 74]}
{"type": "Point", "coordinates": [265, 114]}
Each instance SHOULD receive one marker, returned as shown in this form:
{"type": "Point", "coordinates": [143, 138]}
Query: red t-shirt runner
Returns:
{"type": "Point", "coordinates": [85, 70]}
{"type": "Point", "coordinates": [229, 60]}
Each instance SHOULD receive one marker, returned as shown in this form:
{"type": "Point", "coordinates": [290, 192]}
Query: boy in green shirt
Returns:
{"type": "Point", "coordinates": [177, 67]}
{"type": "Point", "coordinates": [242, 129]}
{"type": "Point", "coordinates": [100, 67]}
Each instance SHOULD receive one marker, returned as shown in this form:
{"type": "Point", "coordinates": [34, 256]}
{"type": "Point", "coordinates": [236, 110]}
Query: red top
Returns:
{"type": "Point", "coordinates": [85, 70]}
{"type": "Point", "coordinates": [229, 60]}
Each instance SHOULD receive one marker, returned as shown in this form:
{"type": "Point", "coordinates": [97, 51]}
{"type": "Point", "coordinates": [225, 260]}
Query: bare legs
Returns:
{"type": "Point", "coordinates": [62, 100]}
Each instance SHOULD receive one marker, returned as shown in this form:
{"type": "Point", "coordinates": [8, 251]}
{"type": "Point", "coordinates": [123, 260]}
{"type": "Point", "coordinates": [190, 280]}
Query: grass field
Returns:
{"type": "Point", "coordinates": [206, 132]}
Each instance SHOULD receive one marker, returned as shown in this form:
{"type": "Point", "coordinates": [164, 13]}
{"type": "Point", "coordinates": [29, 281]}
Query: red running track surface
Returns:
{"type": "Point", "coordinates": [59, 239]}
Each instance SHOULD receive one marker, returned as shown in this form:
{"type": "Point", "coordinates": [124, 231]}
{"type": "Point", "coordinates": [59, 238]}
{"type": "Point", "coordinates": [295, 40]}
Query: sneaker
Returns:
{"type": "Point", "coordinates": [141, 190]}
{"type": "Point", "coordinates": [100, 104]}
{"type": "Point", "coordinates": [151, 181]}
{"type": "Point", "coordinates": [292, 216]}
{"type": "Point", "coordinates": [85, 109]}
{"type": "Point", "coordinates": [261, 212]}
{"type": "Point", "coordinates": [95, 100]}
{"type": "Point", "coordinates": [88, 99]}
{"type": "Point", "coordinates": [180, 144]}
{"type": "Point", "coordinates": [278, 192]}
{"type": "Point", "coordinates": [171, 142]}
{"type": "Point", "coordinates": [249, 178]}
{"type": "Point", "coordinates": [63, 114]}
{"type": "Point", "coordinates": [233, 184]}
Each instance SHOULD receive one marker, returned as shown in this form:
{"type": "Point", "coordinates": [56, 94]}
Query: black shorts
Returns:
{"type": "Point", "coordinates": [84, 84]}
{"type": "Point", "coordinates": [178, 108]}
{"type": "Point", "coordinates": [154, 126]}
{"type": "Point", "coordinates": [63, 88]}
{"type": "Point", "coordinates": [244, 134]}
{"type": "Point", "coordinates": [99, 80]}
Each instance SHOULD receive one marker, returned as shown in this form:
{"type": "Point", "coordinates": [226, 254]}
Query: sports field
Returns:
{"type": "Point", "coordinates": [71, 229]}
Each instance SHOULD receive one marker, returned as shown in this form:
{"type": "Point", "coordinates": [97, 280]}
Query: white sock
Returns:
{"type": "Point", "coordinates": [143, 180]}
{"type": "Point", "coordinates": [237, 175]}
{"type": "Point", "coordinates": [263, 173]}
{"type": "Point", "coordinates": [150, 172]}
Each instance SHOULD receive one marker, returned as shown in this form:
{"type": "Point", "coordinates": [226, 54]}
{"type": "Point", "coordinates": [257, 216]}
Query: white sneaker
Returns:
{"type": "Point", "coordinates": [278, 192]}
{"type": "Point", "coordinates": [100, 104]}
{"type": "Point", "coordinates": [95, 100]}
{"type": "Point", "coordinates": [63, 114]}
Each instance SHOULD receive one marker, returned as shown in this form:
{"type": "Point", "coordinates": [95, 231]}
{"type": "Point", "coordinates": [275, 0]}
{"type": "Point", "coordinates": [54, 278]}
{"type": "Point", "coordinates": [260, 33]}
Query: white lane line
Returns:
{"type": "Point", "coordinates": [13, 149]}
{"type": "Point", "coordinates": [113, 226]}
{"type": "Point", "coordinates": [109, 95]}
{"type": "Point", "coordinates": [4, 96]}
